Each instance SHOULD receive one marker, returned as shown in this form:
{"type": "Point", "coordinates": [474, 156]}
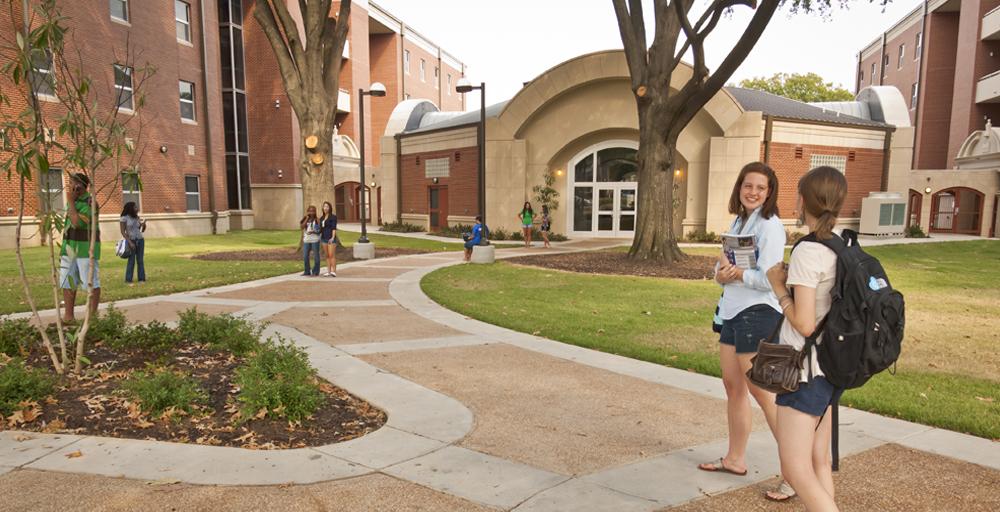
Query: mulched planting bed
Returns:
{"type": "Point", "coordinates": [618, 263]}
{"type": "Point", "coordinates": [290, 254]}
{"type": "Point", "coordinates": [96, 403]}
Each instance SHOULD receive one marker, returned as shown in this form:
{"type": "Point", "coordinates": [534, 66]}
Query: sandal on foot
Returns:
{"type": "Point", "coordinates": [783, 492]}
{"type": "Point", "coordinates": [720, 465]}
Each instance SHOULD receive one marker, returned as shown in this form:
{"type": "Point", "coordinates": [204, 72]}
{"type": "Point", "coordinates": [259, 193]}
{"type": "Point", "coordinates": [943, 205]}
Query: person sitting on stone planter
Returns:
{"type": "Point", "coordinates": [478, 235]}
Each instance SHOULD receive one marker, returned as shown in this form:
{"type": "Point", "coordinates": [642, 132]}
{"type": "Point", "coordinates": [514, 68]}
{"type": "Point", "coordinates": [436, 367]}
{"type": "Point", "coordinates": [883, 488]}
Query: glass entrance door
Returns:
{"type": "Point", "coordinates": [604, 190]}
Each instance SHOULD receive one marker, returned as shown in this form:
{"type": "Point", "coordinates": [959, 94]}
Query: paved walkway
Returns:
{"type": "Point", "coordinates": [479, 417]}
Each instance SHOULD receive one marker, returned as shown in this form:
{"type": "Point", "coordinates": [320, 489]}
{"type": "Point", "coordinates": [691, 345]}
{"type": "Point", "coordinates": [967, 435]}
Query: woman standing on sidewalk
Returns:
{"type": "Point", "coordinates": [527, 218]}
{"type": "Point", "coordinates": [310, 240]}
{"type": "Point", "coordinates": [803, 417]}
{"type": "Point", "coordinates": [132, 228]}
{"type": "Point", "coordinates": [328, 238]}
{"type": "Point", "coordinates": [546, 225]}
{"type": "Point", "coordinates": [749, 311]}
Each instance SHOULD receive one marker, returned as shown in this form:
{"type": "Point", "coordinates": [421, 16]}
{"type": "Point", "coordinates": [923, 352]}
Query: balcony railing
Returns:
{"type": "Point", "coordinates": [988, 88]}
{"type": "Point", "coordinates": [991, 25]}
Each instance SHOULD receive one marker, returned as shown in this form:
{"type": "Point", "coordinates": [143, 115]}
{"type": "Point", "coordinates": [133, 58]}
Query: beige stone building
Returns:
{"type": "Point", "coordinates": [578, 121]}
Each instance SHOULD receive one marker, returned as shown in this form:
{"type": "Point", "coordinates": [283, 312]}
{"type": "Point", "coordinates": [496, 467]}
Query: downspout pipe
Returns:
{"type": "Point", "coordinates": [209, 156]}
{"type": "Point", "coordinates": [768, 131]}
{"type": "Point", "coordinates": [399, 178]}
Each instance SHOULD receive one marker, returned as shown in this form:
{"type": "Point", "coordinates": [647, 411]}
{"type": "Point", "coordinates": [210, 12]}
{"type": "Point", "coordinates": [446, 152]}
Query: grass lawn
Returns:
{"type": "Point", "coordinates": [948, 375]}
{"type": "Point", "coordinates": [170, 269]}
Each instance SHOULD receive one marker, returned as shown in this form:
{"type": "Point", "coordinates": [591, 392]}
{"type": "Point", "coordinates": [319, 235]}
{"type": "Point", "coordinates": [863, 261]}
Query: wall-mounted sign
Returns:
{"type": "Point", "coordinates": [437, 168]}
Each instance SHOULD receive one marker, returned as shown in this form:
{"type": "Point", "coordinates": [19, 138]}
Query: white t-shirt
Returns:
{"type": "Point", "coordinates": [811, 265]}
{"type": "Point", "coordinates": [310, 234]}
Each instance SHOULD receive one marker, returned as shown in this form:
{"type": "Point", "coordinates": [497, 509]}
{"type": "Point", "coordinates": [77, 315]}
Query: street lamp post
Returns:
{"type": "Point", "coordinates": [464, 86]}
{"type": "Point", "coordinates": [375, 90]}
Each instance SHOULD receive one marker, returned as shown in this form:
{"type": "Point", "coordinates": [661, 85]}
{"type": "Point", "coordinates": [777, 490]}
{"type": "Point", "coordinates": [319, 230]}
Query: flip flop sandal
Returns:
{"type": "Point", "coordinates": [783, 489]}
{"type": "Point", "coordinates": [720, 466]}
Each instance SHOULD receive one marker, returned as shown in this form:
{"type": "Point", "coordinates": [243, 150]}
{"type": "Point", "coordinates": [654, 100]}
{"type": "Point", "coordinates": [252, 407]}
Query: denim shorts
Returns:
{"type": "Point", "coordinates": [749, 327]}
{"type": "Point", "coordinates": [812, 397]}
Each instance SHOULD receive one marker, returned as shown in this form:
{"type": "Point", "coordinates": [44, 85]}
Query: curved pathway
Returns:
{"type": "Point", "coordinates": [474, 410]}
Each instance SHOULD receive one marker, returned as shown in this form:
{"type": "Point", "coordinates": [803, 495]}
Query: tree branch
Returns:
{"type": "Point", "coordinates": [334, 37]}
{"type": "Point", "coordinates": [286, 64]}
{"type": "Point", "coordinates": [633, 39]}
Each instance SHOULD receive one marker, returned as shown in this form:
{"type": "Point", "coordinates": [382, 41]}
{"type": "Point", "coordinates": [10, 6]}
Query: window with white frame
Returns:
{"type": "Point", "coordinates": [918, 46]}
{"type": "Point", "coordinates": [902, 55]}
{"type": "Point", "coordinates": [873, 73]}
{"type": "Point", "coordinates": [123, 87]}
{"type": "Point", "coordinates": [51, 191]}
{"type": "Point", "coordinates": [182, 19]}
{"type": "Point", "coordinates": [42, 77]}
{"type": "Point", "coordinates": [406, 61]}
{"type": "Point", "coordinates": [192, 193]}
{"type": "Point", "coordinates": [861, 76]}
{"type": "Point", "coordinates": [437, 77]}
{"type": "Point", "coordinates": [423, 70]}
{"type": "Point", "coordinates": [449, 84]}
{"type": "Point", "coordinates": [187, 100]}
{"type": "Point", "coordinates": [913, 95]}
{"type": "Point", "coordinates": [131, 188]}
{"type": "Point", "coordinates": [119, 10]}
{"type": "Point", "coordinates": [406, 96]}
{"type": "Point", "coordinates": [836, 161]}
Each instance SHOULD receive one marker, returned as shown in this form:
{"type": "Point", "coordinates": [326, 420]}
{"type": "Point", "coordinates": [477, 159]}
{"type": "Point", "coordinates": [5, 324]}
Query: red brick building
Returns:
{"type": "Point", "coordinates": [220, 140]}
{"type": "Point", "coordinates": [944, 57]}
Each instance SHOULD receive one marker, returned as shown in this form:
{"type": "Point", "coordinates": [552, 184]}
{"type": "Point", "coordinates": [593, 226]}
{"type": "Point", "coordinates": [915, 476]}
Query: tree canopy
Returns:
{"type": "Point", "coordinates": [808, 87]}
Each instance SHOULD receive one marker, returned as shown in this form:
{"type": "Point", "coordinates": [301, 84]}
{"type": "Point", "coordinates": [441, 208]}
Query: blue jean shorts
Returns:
{"type": "Point", "coordinates": [812, 397]}
{"type": "Point", "coordinates": [749, 327]}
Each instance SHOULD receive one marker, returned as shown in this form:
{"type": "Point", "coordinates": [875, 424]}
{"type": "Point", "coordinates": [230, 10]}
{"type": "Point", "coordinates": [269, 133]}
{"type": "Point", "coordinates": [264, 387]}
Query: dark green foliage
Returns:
{"type": "Point", "coordinates": [17, 336]}
{"type": "Point", "coordinates": [160, 389]}
{"type": "Point", "coordinates": [401, 227]}
{"type": "Point", "coordinates": [277, 378]}
{"type": "Point", "coordinates": [109, 327]}
{"type": "Point", "coordinates": [19, 383]}
{"type": "Point", "coordinates": [222, 332]}
{"type": "Point", "coordinates": [914, 231]}
{"type": "Point", "coordinates": [153, 338]}
{"type": "Point", "coordinates": [700, 236]}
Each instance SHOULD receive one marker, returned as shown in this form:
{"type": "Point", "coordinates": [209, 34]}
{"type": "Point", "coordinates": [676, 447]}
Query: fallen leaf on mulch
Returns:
{"type": "Point", "coordinates": [74, 455]}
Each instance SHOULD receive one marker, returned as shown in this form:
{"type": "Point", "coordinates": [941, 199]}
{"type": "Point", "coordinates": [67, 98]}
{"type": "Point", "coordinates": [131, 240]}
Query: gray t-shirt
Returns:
{"type": "Point", "coordinates": [133, 227]}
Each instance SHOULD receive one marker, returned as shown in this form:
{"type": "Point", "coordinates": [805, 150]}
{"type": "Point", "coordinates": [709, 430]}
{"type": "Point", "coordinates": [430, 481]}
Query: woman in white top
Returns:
{"type": "Point", "coordinates": [803, 290]}
{"type": "Point", "coordinates": [748, 309]}
{"type": "Point", "coordinates": [132, 228]}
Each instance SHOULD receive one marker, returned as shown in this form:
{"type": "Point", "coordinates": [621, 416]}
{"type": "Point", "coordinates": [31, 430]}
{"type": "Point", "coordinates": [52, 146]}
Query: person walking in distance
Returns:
{"type": "Point", "coordinates": [75, 265]}
{"type": "Point", "coordinates": [527, 217]}
{"type": "Point", "coordinates": [310, 241]}
{"type": "Point", "coordinates": [748, 310]}
{"type": "Point", "coordinates": [328, 238]}
{"type": "Point", "coordinates": [132, 228]}
{"type": "Point", "coordinates": [546, 225]}
{"type": "Point", "coordinates": [803, 289]}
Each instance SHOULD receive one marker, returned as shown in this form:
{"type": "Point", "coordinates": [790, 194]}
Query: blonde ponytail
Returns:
{"type": "Point", "coordinates": [823, 191]}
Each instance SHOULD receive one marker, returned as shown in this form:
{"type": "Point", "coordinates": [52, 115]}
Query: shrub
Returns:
{"type": "Point", "coordinates": [277, 379]}
{"type": "Point", "coordinates": [500, 234]}
{"type": "Point", "coordinates": [401, 227]}
{"type": "Point", "coordinates": [700, 236]}
{"type": "Point", "coordinates": [914, 231]}
{"type": "Point", "coordinates": [454, 231]}
{"type": "Point", "coordinates": [109, 327]}
{"type": "Point", "coordinates": [224, 332]}
{"type": "Point", "coordinates": [19, 383]}
{"type": "Point", "coordinates": [793, 236]}
{"type": "Point", "coordinates": [160, 389]}
{"type": "Point", "coordinates": [17, 336]}
{"type": "Point", "coordinates": [153, 338]}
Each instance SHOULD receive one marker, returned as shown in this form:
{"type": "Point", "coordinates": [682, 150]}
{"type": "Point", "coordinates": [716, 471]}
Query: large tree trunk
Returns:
{"type": "Point", "coordinates": [654, 235]}
{"type": "Point", "coordinates": [317, 180]}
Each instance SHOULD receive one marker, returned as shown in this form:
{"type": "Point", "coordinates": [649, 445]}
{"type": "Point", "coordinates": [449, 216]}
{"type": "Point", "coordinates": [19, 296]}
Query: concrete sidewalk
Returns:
{"type": "Point", "coordinates": [479, 418]}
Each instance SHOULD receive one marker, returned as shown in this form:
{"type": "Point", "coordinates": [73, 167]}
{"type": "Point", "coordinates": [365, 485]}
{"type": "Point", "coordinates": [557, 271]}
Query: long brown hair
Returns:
{"type": "Point", "coordinates": [770, 206]}
{"type": "Point", "coordinates": [323, 216]}
{"type": "Point", "coordinates": [823, 190]}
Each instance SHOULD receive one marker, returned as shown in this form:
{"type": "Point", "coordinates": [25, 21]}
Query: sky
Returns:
{"type": "Point", "coordinates": [508, 42]}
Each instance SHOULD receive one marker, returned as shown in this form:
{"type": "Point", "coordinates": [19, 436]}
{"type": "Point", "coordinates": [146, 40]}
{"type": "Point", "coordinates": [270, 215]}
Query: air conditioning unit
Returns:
{"type": "Point", "coordinates": [883, 215]}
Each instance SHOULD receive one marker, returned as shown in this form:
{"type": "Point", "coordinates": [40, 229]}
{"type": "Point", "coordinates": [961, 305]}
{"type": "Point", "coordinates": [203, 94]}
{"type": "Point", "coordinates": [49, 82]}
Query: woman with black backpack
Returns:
{"type": "Point", "coordinates": [803, 289]}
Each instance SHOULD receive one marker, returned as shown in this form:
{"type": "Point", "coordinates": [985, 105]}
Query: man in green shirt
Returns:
{"type": "Point", "coordinates": [75, 256]}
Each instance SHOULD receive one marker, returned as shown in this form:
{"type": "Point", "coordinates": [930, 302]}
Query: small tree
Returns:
{"type": "Point", "coordinates": [663, 112]}
{"type": "Point", "coordinates": [310, 71]}
{"type": "Point", "coordinates": [809, 87]}
{"type": "Point", "coordinates": [546, 194]}
{"type": "Point", "coordinates": [90, 138]}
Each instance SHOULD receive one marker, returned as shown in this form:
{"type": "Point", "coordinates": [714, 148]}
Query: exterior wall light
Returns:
{"type": "Point", "coordinates": [927, 190]}
{"type": "Point", "coordinates": [559, 172]}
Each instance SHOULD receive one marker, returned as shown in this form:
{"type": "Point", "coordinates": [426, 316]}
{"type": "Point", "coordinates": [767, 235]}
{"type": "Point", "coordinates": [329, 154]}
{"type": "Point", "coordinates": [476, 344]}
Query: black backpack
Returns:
{"type": "Point", "coordinates": [863, 332]}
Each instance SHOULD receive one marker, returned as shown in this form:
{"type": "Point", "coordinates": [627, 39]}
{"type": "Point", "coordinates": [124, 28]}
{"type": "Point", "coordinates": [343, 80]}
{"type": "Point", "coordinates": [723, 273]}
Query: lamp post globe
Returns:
{"type": "Point", "coordinates": [377, 89]}
{"type": "Point", "coordinates": [463, 85]}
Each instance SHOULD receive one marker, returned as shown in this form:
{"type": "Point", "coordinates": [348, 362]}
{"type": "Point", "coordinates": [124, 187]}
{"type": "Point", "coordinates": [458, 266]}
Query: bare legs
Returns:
{"type": "Point", "coordinates": [331, 257]}
{"type": "Point", "coordinates": [804, 451]}
{"type": "Point", "coordinates": [545, 237]}
{"type": "Point", "coordinates": [738, 411]}
{"type": "Point", "coordinates": [527, 236]}
{"type": "Point", "coordinates": [69, 298]}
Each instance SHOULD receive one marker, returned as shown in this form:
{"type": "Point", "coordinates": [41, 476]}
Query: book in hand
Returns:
{"type": "Point", "coordinates": [741, 250]}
